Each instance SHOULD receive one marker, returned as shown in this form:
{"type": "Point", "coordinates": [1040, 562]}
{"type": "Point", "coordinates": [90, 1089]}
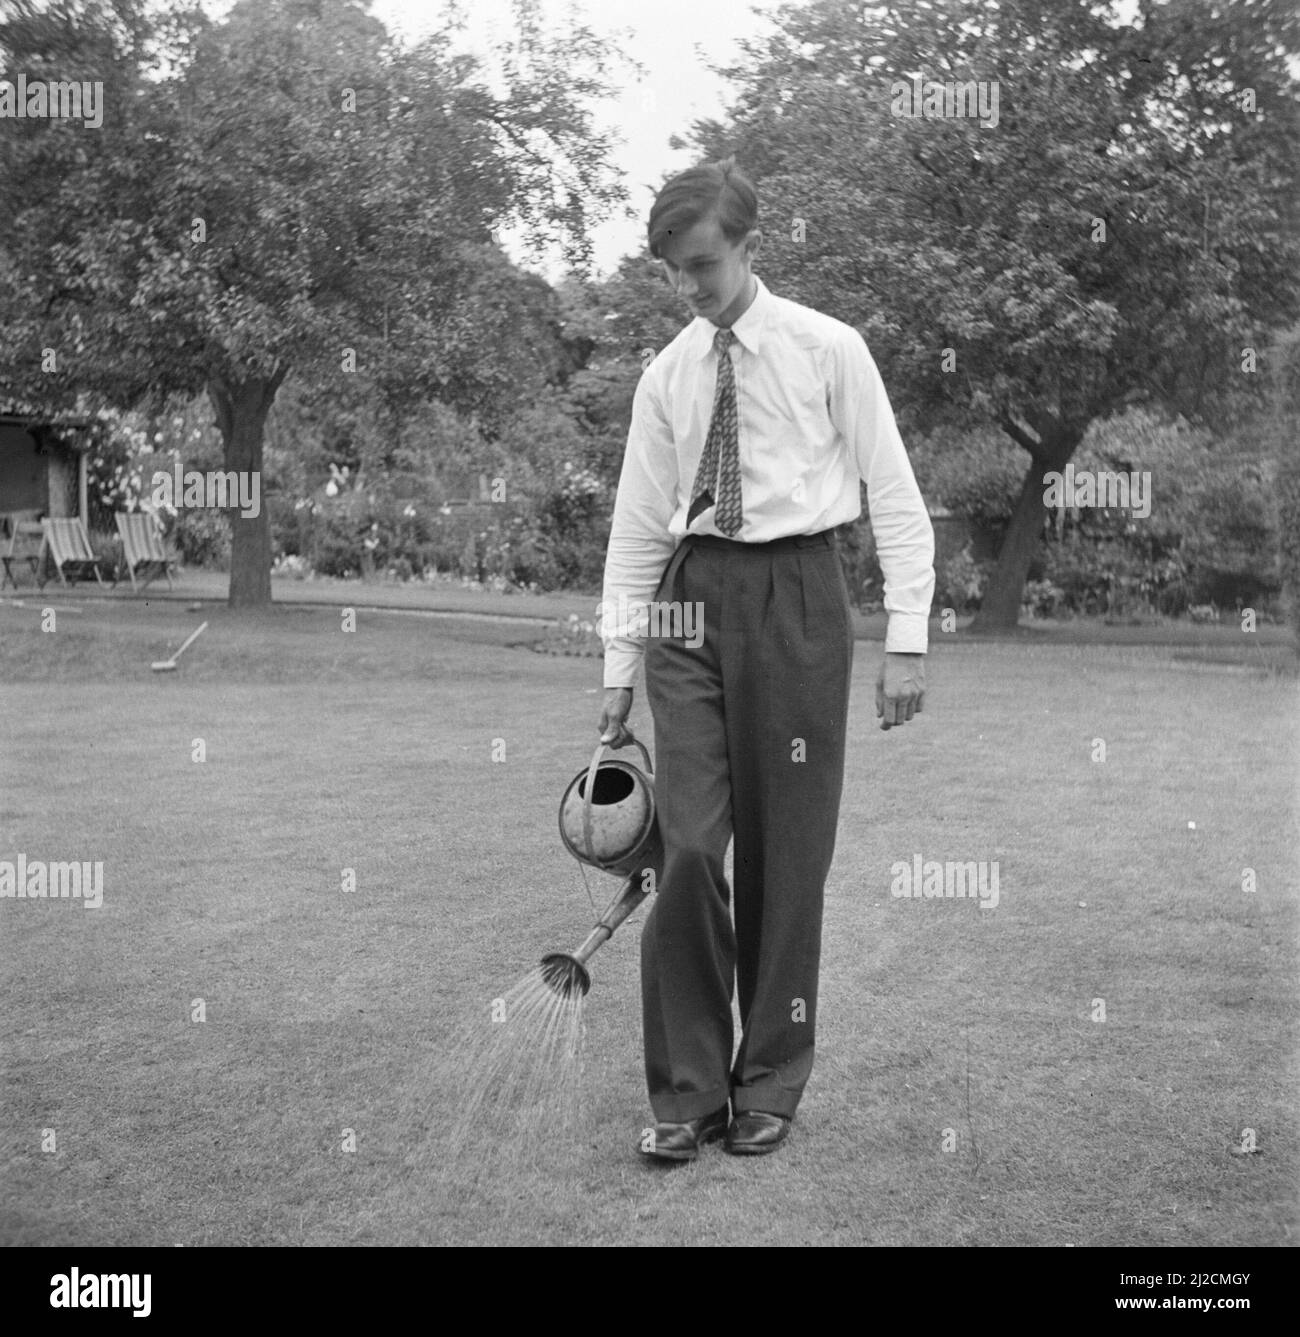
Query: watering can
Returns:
{"type": "Point", "coordinates": [607, 821]}
{"type": "Point", "coordinates": [607, 815]}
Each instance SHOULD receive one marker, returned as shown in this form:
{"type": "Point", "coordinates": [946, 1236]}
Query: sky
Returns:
{"type": "Point", "coordinates": [674, 40]}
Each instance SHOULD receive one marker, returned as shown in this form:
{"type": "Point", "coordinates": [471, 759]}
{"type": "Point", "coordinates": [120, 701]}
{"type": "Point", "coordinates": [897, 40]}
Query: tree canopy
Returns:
{"type": "Point", "coordinates": [1123, 231]}
{"type": "Point", "coordinates": [287, 191]}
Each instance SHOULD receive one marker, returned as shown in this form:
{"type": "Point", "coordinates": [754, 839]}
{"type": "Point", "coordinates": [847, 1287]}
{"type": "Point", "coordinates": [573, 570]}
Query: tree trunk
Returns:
{"type": "Point", "coordinates": [1000, 607]}
{"type": "Point", "coordinates": [241, 408]}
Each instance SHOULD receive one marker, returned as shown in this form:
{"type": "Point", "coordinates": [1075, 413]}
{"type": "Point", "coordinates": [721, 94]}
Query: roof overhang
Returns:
{"type": "Point", "coordinates": [38, 421]}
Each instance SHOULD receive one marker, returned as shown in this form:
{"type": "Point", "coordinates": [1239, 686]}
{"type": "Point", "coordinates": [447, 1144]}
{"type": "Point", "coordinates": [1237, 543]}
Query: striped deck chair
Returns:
{"type": "Point", "coordinates": [142, 549]}
{"type": "Point", "coordinates": [69, 548]}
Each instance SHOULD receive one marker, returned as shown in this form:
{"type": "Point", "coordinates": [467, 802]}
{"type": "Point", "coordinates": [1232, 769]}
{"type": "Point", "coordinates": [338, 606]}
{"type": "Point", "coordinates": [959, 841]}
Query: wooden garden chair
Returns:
{"type": "Point", "coordinates": [25, 537]}
{"type": "Point", "coordinates": [142, 549]}
{"type": "Point", "coordinates": [69, 547]}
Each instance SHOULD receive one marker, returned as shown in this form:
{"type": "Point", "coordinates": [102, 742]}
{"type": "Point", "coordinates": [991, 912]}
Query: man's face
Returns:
{"type": "Point", "coordinates": [710, 273]}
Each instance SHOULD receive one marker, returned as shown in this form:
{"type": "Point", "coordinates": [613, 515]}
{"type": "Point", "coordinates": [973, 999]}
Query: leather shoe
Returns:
{"type": "Point", "coordinates": [755, 1133]}
{"type": "Point", "coordinates": [682, 1141]}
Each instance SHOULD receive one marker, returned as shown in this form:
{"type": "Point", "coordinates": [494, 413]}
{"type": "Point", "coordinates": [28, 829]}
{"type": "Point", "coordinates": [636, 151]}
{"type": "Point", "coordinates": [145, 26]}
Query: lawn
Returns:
{"type": "Point", "coordinates": [328, 1010]}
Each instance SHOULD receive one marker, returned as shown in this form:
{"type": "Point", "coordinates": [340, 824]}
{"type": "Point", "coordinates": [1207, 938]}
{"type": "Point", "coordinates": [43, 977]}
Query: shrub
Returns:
{"type": "Point", "coordinates": [107, 546]}
{"type": "Point", "coordinates": [1287, 501]}
{"type": "Point", "coordinates": [337, 545]}
{"type": "Point", "coordinates": [960, 583]}
{"type": "Point", "coordinates": [862, 571]}
{"type": "Point", "coordinates": [572, 636]}
{"type": "Point", "coordinates": [1210, 536]}
{"type": "Point", "coordinates": [1041, 598]}
{"type": "Point", "coordinates": [1082, 571]}
{"type": "Point", "coordinates": [202, 537]}
{"type": "Point", "coordinates": [298, 568]}
{"type": "Point", "coordinates": [290, 521]}
{"type": "Point", "coordinates": [977, 474]}
{"type": "Point", "coordinates": [1228, 542]}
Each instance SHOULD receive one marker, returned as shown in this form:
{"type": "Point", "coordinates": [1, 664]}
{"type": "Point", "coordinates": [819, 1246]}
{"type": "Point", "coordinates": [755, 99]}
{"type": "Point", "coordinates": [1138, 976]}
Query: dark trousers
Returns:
{"type": "Point", "coordinates": [749, 741]}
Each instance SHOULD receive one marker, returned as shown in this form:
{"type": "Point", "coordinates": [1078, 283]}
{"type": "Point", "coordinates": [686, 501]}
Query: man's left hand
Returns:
{"type": "Point", "coordinates": [900, 689]}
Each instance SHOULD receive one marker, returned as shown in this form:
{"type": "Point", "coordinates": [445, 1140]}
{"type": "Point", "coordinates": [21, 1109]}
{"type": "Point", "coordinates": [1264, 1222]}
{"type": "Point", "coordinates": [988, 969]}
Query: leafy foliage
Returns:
{"type": "Point", "coordinates": [336, 218]}
{"type": "Point", "coordinates": [1122, 233]}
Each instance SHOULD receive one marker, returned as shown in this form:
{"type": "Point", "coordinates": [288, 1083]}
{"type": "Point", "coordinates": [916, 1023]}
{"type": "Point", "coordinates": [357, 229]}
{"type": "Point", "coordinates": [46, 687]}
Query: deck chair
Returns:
{"type": "Point", "coordinates": [69, 548]}
{"type": "Point", "coordinates": [142, 549]}
{"type": "Point", "coordinates": [25, 537]}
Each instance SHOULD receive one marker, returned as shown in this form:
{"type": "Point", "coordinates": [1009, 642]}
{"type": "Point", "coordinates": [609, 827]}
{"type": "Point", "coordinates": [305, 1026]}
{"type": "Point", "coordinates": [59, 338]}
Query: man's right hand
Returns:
{"type": "Point", "coordinates": [613, 729]}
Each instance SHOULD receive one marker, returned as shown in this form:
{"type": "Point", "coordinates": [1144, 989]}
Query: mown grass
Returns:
{"type": "Point", "coordinates": [328, 1010]}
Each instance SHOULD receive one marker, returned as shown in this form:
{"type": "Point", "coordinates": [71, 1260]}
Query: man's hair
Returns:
{"type": "Point", "coordinates": [712, 187]}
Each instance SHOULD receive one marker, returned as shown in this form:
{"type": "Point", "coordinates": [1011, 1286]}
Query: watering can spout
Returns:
{"type": "Point", "coordinates": [631, 895]}
{"type": "Point", "coordinates": [566, 972]}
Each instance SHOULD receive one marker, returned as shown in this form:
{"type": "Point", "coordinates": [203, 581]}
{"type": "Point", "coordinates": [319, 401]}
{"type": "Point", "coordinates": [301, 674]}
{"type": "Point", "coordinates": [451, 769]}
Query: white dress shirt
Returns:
{"type": "Point", "coordinates": [813, 420]}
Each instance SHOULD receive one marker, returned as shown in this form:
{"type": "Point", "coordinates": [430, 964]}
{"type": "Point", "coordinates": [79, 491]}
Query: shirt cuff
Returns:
{"type": "Point", "coordinates": [622, 663]}
{"type": "Point", "coordinates": [907, 634]}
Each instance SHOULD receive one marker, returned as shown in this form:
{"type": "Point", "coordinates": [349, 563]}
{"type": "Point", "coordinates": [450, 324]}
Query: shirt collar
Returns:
{"type": "Point", "coordinates": [748, 329]}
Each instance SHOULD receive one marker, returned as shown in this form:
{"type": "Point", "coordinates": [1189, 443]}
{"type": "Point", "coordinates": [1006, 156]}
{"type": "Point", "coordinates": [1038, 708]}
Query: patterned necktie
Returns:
{"type": "Point", "coordinates": [721, 445]}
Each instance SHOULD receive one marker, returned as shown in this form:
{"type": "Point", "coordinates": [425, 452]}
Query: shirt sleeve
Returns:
{"type": "Point", "coordinates": [861, 413]}
{"type": "Point", "coordinates": [640, 544]}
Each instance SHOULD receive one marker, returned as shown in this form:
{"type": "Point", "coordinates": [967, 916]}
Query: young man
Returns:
{"type": "Point", "coordinates": [749, 434]}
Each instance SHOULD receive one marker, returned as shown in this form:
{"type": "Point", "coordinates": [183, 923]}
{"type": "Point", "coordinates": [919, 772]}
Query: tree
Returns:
{"type": "Point", "coordinates": [1120, 235]}
{"type": "Point", "coordinates": [1281, 439]}
{"type": "Point", "coordinates": [617, 325]}
{"type": "Point", "coordinates": [288, 191]}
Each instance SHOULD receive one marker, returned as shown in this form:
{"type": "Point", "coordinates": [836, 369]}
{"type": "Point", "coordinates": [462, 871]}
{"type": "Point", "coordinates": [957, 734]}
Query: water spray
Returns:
{"type": "Point", "coordinates": [519, 1077]}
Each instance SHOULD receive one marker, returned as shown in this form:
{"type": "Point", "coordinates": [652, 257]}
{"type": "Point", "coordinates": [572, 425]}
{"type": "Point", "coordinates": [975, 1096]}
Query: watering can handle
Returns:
{"type": "Point", "coordinates": [591, 780]}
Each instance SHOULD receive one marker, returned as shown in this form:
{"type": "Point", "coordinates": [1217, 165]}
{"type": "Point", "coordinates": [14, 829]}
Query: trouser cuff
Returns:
{"type": "Point", "coordinates": [768, 1099]}
{"type": "Point", "coordinates": [681, 1107]}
